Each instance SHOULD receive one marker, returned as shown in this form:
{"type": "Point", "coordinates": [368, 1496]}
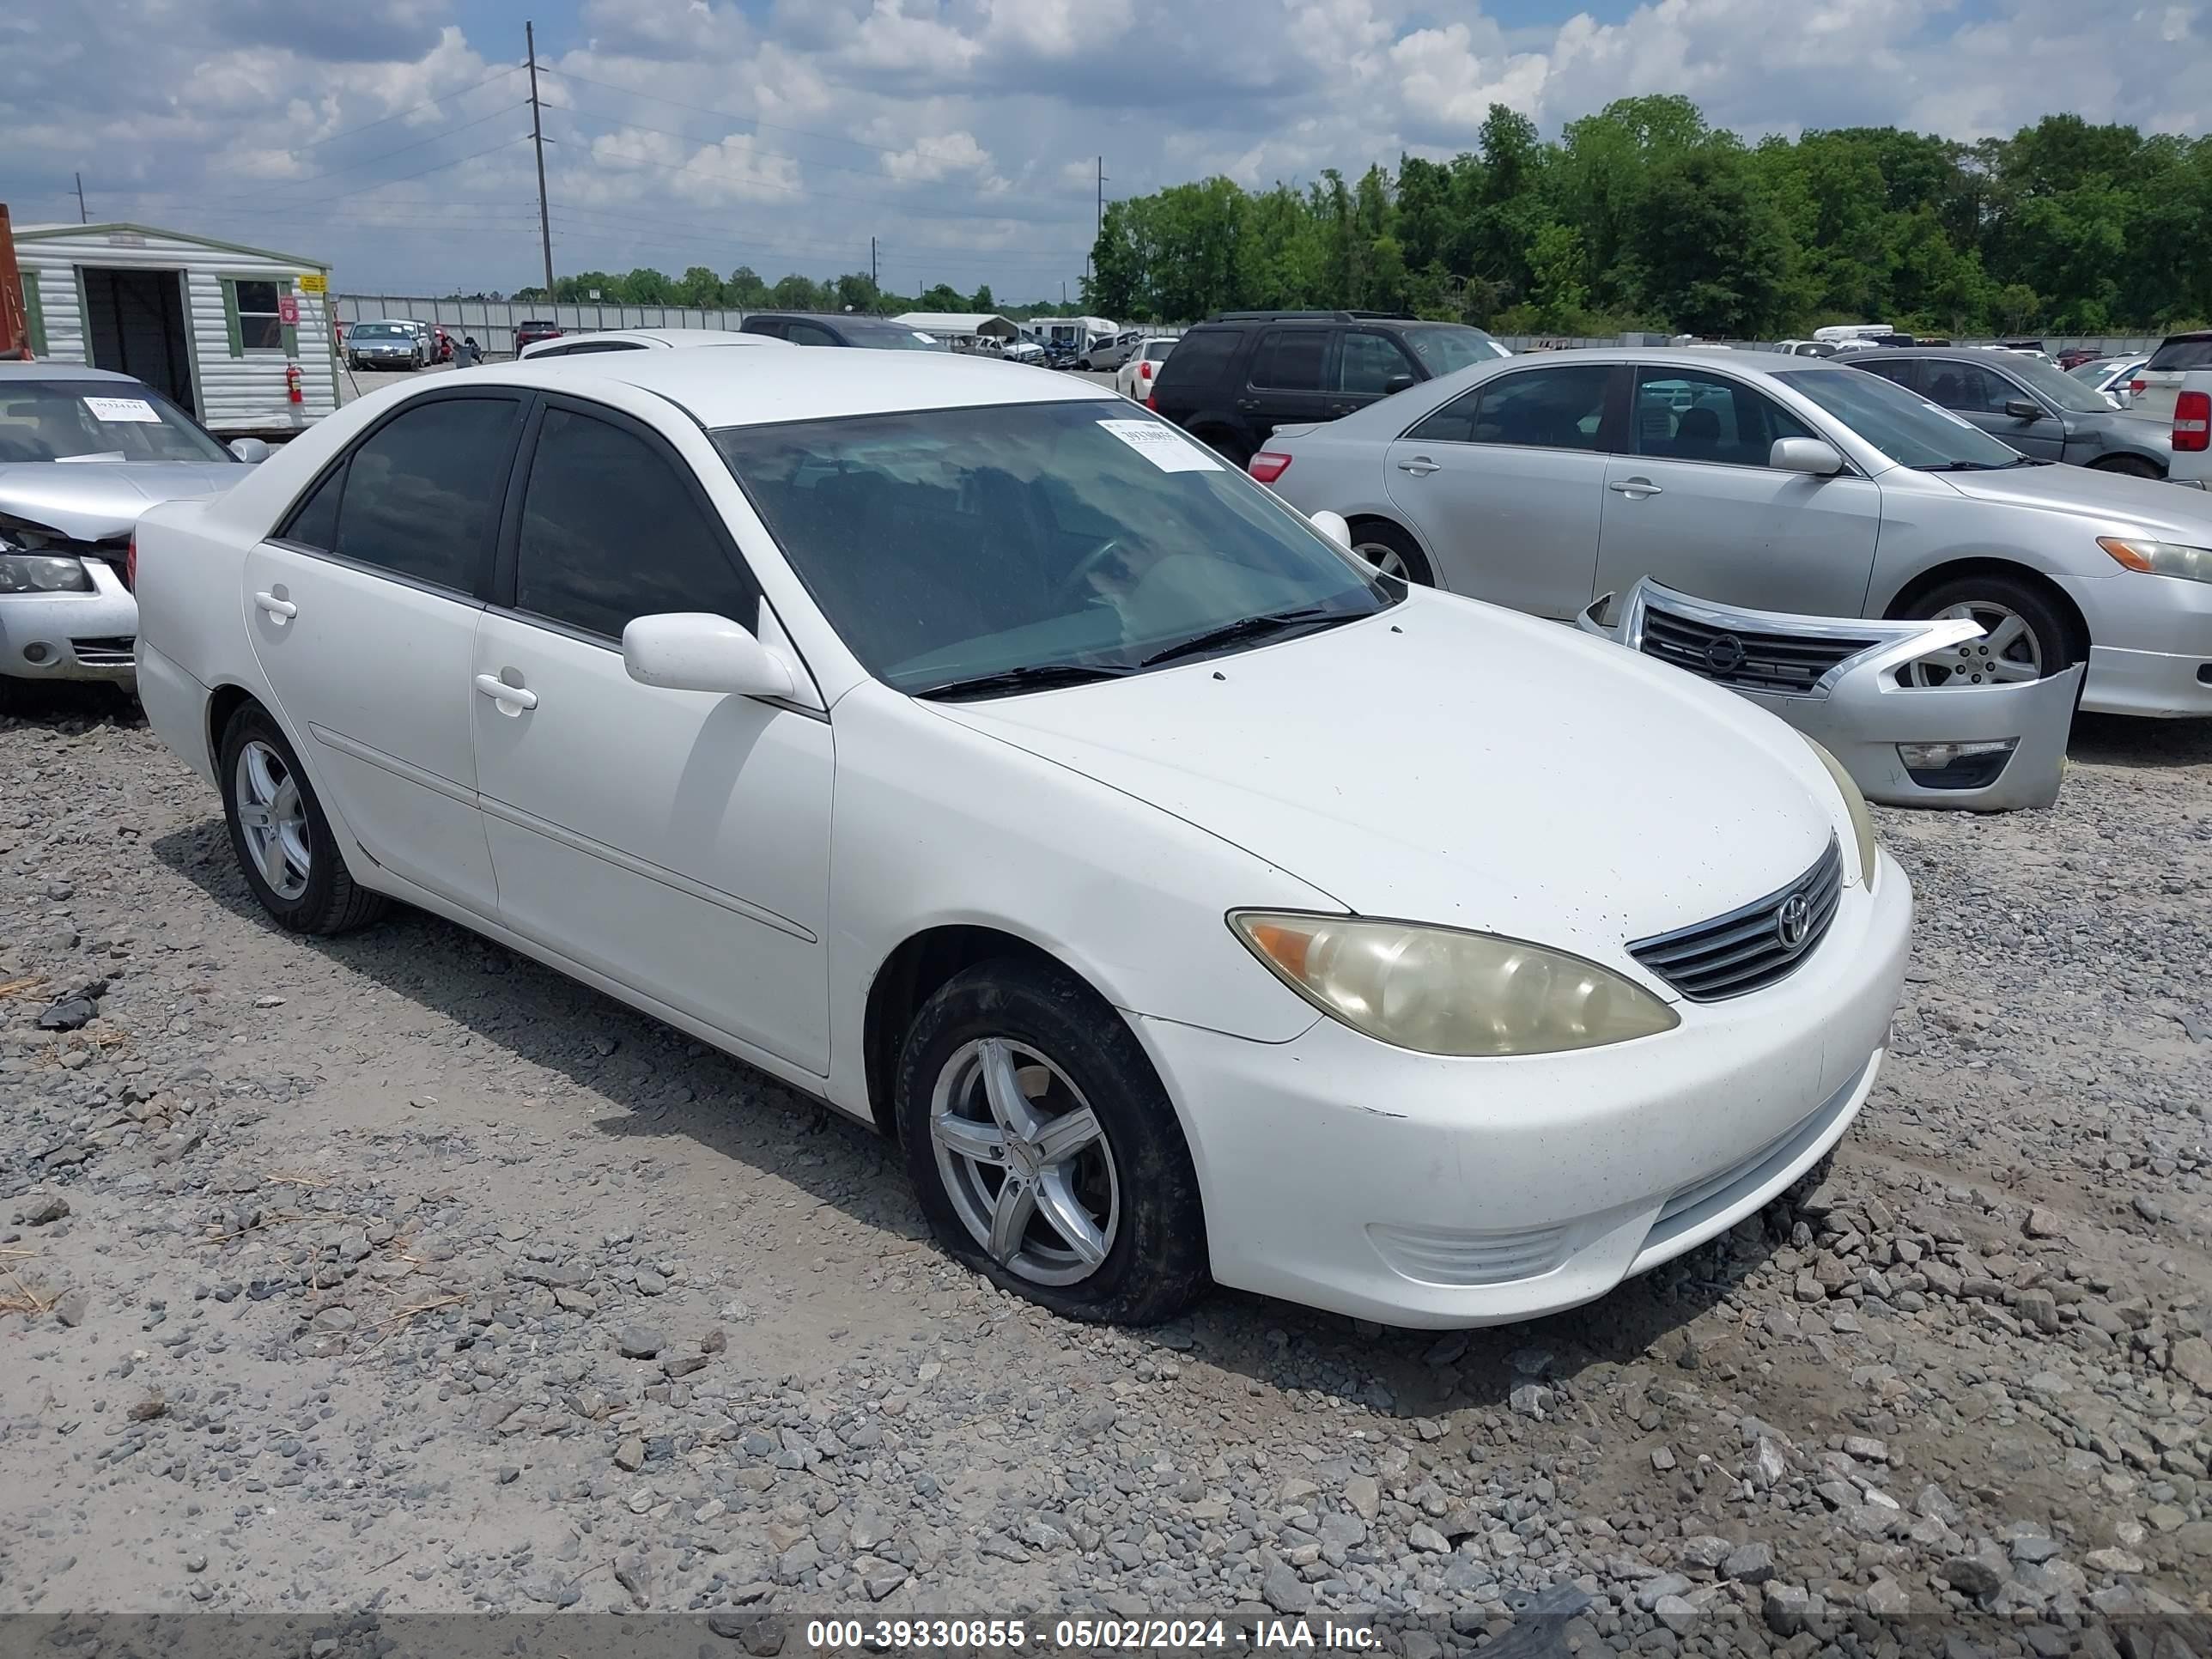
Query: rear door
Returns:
{"type": "Point", "coordinates": [1692, 501]}
{"type": "Point", "coordinates": [1980, 393]}
{"type": "Point", "coordinates": [1504, 485]}
{"type": "Point", "coordinates": [675, 841]}
{"type": "Point", "coordinates": [1287, 380]}
{"type": "Point", "coordinates": [1369, 365]}
{"type": "Point", "coordinates": [363, 611]}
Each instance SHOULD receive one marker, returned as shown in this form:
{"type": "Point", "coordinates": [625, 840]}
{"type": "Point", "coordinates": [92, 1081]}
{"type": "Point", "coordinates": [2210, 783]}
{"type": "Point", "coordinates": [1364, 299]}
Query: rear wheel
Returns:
{"type": "Point", "coordinates": [1043, 1149]}
{"type": "Point", "coordinates": [282, 838]}
{"type": "Point", "coordinates": [1392, 551]}
{"type": "Point", "coordinates": [2132, 466]}
{"type": "Point", "coordinates": [2025, 635]}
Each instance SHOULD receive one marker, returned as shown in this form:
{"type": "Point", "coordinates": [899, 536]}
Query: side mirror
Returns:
{"type": "Point", "coordinates": [251, 451]}
{"type": "Point", "coordinates": [697, 651]}
{"type": "Point", "coordinates": [2023, 409]}
{"type": "Point", "coordinates": [1810, 456]}
{"type": "Point", "coordinates": [1332, 525]}
{"type": "Point", "coordinates": [1396, 383]}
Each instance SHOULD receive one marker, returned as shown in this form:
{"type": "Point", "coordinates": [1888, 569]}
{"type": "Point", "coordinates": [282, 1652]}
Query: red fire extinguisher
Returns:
{"type": "Point", "coordinates": [293, 384]}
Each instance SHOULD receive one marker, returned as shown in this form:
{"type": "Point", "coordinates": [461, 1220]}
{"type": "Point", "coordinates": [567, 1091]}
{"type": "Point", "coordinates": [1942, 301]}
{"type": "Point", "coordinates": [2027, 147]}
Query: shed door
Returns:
{"type": "Point", "coordinates": [135, 325]}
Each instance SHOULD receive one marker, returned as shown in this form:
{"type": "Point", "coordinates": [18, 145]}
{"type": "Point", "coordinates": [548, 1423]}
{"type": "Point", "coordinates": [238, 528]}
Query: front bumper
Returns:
{"type": "Point", "coordinates": [71, 637]}
{"type": "Point", "coordinates": [1419, 1191]}
{"type": "Point", "coordinates": [2152, 643]}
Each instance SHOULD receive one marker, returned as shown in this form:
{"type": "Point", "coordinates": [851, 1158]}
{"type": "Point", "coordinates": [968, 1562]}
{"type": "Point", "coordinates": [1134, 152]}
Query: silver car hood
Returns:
{"type": "Point", "coordinates": [2088, 493]}
{"type": "Point", "coordinates": [1859, 706]}
{"type": "Point", "coordinates": [100, 501]}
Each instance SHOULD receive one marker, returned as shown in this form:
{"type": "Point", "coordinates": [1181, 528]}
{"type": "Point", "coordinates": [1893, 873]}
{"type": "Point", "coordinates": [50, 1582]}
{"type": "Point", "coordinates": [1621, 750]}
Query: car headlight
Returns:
{"type": "Point", "coordinates": [42, 572]}
{"type": "Point", "coordinates": [1443, 990]}
{"type": "Point", "coordinates": [1862, 820]}
{"type": "Point", "coordinates": [2156, 558]}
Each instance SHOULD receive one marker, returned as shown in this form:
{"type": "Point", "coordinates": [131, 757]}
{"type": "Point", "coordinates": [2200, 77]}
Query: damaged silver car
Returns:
{"type": "Point", "coordinates": [1901, 705]}
{"type": "Point", "coordinates": [83, 451]}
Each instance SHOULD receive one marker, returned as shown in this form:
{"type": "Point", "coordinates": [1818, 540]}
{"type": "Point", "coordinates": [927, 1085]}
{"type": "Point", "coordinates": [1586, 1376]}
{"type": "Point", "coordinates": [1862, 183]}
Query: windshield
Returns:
{"type": "Point", "coordinates": [1443, 347]}
{"type": "Point", "coordinates": [111, 420]}
{"type": "Point", "coordinates": [2090, 374]}
{"type": "Point", "coordinates": [2058, 386]}
{"type": "Point", "coordinates": [896, 339]}
{"type": "Point", "coordinates": [949, 544]}
{"type": "Point", "coordinates": [1908, 429]}
{"type": "Point", "coordinates": [381, 332]}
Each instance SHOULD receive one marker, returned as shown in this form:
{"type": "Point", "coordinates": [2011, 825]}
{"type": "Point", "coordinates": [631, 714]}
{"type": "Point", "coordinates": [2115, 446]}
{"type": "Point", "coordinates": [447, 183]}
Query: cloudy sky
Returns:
{"type": "Point", "coordinates": [390, 137]}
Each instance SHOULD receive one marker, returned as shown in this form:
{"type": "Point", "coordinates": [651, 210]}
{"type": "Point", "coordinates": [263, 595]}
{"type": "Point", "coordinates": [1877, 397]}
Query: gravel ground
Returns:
{"type": "Point", "coordinates": [398, 1273]}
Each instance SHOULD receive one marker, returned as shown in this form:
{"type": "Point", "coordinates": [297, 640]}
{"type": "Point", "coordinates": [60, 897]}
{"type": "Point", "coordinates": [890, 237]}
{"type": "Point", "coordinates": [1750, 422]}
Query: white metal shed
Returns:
{"type": "Point", "coordinates": [215, 326]}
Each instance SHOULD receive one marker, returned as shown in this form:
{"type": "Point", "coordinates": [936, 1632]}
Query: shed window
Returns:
{"type": "Point", "coordinates": [259, 327]}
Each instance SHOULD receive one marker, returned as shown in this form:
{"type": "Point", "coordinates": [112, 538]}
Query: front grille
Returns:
{"type": "Point", "coordinates": [119, 650]}
{"type": "Point", "coordinates": [1755, 662]}
{"type": "Point", "coordinates": [1745, 950]}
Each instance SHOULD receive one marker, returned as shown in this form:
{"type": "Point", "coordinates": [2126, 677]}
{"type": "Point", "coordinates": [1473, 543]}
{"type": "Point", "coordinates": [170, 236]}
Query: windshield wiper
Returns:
{"type": "Point", "coordinates": [1244, 628]}
{"type": "Point", "coordinates": [1966, 466]}
{"type": "Point", "coordinates": [1028, 676]}
{"type": "Point", "coordinates": [2025, 460]}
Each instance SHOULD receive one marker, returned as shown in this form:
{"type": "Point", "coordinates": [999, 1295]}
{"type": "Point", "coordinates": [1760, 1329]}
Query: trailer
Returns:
{"type": "Point", "coordinates": [239, 336]}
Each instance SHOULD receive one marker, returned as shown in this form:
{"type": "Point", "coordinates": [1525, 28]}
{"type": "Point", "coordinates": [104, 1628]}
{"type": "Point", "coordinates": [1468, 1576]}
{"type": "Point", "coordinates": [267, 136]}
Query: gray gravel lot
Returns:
{"type": "Point", "coordinates": [398, 1272]}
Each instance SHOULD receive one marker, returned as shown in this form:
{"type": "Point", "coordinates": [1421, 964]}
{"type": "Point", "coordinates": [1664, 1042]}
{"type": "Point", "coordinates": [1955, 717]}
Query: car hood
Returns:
{"type": "Point", "coordinates": [1451, 762]}
{"type": "Point", "coordinates": [2087, 493]}
{"type": "Point", "coordinates": [101, 501]}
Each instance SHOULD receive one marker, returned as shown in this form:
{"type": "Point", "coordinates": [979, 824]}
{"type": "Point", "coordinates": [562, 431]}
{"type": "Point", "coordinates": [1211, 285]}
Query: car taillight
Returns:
{"type": "Point", "coordinates": [2193, 420]}
{"type": "Point", "coordinates": [1267, 465]}
{"type": "Point", "coordinates": [1153, 400]}
{"type": "Point", "coordinates": [2138, 386]}
{"type": "Point", "coordinates": [131, 563]}
{"type": "Point", "coordinates": [1144, 370]}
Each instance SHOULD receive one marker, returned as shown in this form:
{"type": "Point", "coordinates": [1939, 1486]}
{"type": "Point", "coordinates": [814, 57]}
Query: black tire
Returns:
{"type": "Point", "coordinates": [2131, 466]}
{"type": "Point", "coordinates": [1371, 533]}
{"type": "Point", "coordinates": [1156, 1264]}
{"type": "Point", "coordinates": [2055, 644]}
{"type": "Point", "coordinates": [331, 901]}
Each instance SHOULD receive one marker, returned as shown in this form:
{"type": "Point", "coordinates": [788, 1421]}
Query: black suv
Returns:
{"type": "Point", "coordinates": [1238, 376]}
{"type": "Point", "coordinates": [848, 329]}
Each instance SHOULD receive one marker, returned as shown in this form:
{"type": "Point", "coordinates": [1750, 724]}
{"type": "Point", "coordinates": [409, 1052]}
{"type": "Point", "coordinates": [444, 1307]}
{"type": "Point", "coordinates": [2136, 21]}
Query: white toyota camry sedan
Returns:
{"type": "Point", "coordinates": [977, 753]}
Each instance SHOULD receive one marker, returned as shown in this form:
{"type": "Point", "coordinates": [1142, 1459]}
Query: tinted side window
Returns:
{"type": "Point", "coordinates": [1968, 387]}
{"type": "Point", "coordinates": [1289, 359]}
{"type": "Point", "coordinates": [1199, 357]}
{"type": "Point", "coordinates": [1452, 424]}
{"type": "Point", "coordinates": [1558, 408]}
{"type": "Point", "coordinates": [2175, 356]}
{"type": "Point", "coordinates": [422, 490]}
{"type": "Point", "coordinates": [810, 334]}
{"type": "Point", "coordinates": [1366, 362]}
{"type": "Point", "coordinates": [1685, 416]}
{"type": "Point", "coordinates": [314, 523]}
{"type": "Point", "coordinates": [1901, 370]}
{"type": "Point", "coordinates": [611, 531]}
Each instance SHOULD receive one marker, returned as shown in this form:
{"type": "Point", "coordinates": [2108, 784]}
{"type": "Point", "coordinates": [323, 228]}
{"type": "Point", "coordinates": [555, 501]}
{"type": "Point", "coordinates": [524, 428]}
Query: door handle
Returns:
{"type": "Point", "coordinates": [1420, 465]}
{"type": "Point", "coordinates": [1247, 404]}
{"type": "Point", "coordinates": [282, 609]}
{"type": "Point", "coordinates": [492, 686]}
{"type": "Point", "coordinates": [1342, 409]}
{"type": "Point", "coordinates": [1638, 488]}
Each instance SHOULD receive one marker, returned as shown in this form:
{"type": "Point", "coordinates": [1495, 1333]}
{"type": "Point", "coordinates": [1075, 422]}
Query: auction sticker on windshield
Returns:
{"type": "Point", "coordinates": [123, 408]}
{"type": "Point", "coordinates": [1163, 446]}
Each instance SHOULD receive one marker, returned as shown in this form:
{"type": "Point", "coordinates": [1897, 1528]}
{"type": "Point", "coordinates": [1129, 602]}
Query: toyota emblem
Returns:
{"type": "Point", "coordinates": [1724, 655]}
{"type": "Point", "coordinates": [1793, 921]}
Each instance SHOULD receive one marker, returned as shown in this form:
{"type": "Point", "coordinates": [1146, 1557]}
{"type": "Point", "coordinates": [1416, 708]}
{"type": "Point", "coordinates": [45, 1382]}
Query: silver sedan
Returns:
{"type": "Point", "coordinates": [1780, 483]}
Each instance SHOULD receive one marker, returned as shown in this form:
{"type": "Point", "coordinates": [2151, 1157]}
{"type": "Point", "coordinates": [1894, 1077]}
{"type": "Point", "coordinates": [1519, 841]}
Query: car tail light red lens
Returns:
{"type": "Point", "coordinates": [2138, 386]}
{"type": "Point", "coordinates": [1267, 465]}
{"type": "Point", "coordinates": [1151, 400]}
{"type": "Point", "coordinates": [130, 564]}
{"type": "Point", "coordinates": [2193, 420]}
{"type": "Point", "coordinates": [1144, 370]}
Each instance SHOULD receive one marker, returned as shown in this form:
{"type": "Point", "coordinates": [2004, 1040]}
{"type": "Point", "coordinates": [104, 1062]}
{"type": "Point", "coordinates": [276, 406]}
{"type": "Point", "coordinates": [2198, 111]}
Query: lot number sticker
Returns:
{"type": "Point", "coordinates": [123, 408]}
{"type": "Point", "coordinates": [1163, 446]}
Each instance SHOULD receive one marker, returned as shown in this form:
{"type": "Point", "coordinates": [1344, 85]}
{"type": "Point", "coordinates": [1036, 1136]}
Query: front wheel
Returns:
{"type": "Point", "coordinates": [2025, 635]}
{"type": "Point", "coordinates": [1393, 552]}
{"type": "Point", "coordinates": [282, 838]}
{"type": "Point", "coordinates": [1044, 1151]}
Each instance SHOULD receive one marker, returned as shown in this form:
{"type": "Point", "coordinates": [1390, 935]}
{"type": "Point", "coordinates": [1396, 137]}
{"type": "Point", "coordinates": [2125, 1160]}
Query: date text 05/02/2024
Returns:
{"type": "Point", "coordinates": [901, 1635]}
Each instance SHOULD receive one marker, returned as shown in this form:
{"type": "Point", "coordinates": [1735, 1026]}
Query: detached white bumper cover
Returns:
{"type": "Point", "coordinates": [1835, 678]}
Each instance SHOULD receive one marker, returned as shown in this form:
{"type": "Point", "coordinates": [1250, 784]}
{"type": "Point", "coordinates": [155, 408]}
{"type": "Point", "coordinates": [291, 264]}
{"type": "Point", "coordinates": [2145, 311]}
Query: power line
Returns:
{"type": "Point", "coordinates": [350, 166]}
{"type": "Point", "coordinates": [381, 184]}
{"type": "Point", "coordinates": [443, 97]}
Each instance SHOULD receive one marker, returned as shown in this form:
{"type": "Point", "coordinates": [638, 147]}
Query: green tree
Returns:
{"type": "Point", "coordinates": [698, 286]}
{"type": "Point", "coordinates": [981, 300]}
{"type": "Point", "coordinates": [856, 291]}
{"type": "Point", "coordinates": [746, 288]}
{"type": "Point", "coordinates": [1712, 253]}
{"type": "Point", "coordinates": [797, 292]}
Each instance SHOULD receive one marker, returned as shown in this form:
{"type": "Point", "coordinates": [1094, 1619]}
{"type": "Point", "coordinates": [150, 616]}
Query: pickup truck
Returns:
{"type": "Point", "coordinates": [2158, 382]}
{"type": "Point", "coordinates": [2192, 431]}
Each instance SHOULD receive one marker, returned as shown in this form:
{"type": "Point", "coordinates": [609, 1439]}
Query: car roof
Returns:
{"type": "Point", "coordinates": [666, 336]}
{"type": "Point", "coordinates": [805, 385]}
{"type": "Point", "coordinates": [48, 369]}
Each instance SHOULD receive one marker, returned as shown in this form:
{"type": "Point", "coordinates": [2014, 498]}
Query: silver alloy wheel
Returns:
{"type": "Point", "coordinates": [2007, 652]}
{"type": "Point", "coordinates": [1024, 1161]}
{"type": "Point", "coordinates": [1388, 560]}
{"type": "Point", "coordinates": [275, 818]}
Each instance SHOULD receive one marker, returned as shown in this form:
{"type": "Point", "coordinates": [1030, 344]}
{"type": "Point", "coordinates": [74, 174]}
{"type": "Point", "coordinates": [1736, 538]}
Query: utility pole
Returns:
{"type": "Point", "coordinates": [537, 138]}
{"type": "Point", "coordinates": [873, 280]}
{"type": "Point", "coordinates": [83, 217]}
{"type": "Point", "coordinates": [1098, 223]}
